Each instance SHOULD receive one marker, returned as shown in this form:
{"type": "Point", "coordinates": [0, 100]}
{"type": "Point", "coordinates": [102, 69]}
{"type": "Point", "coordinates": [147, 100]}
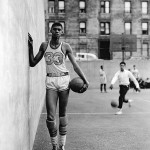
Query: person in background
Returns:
{"type": "Point", "coordinates": [123, 77]}
{"type": "Point", "coordinates": [135, 72]}
{"type": "Point", "coordinates": [103, 79]}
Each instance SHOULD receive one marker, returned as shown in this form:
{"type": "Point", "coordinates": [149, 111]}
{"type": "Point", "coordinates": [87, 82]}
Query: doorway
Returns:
{"type": "Point", "coordinates": [104, 52]}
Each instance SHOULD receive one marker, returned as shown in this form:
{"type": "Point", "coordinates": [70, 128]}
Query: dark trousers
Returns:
{"type": "Point", "coordinates": [123, 91]}
{"type": "Point", "coordinates": [101, 87]}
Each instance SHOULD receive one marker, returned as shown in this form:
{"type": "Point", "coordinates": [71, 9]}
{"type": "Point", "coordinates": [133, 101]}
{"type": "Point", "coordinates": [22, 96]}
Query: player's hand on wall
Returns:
{"type": "Point", "coordinates": [30, 40]}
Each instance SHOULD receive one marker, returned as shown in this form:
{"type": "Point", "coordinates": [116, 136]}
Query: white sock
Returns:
{"type": "Point", "coordinates": [54, 140]}
{"type": "Point", "coordinates": [62, 140]}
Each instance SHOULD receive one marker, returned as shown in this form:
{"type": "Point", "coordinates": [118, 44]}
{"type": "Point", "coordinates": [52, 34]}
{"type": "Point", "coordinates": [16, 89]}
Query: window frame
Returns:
{"type": "Point", "coordinates": [49, 26]}
{"type": "Point", "coordinates": [126, 30]}
{"type": "Point", "coordinates": [125, 8]}
{"type": "Point", "coordinates": [146, 50]}
{"type": "Point", "coordinates": [53, 6]}
{"type": "Point", "coordinates": [63, 25]}
{"type": "Point", "coordinates": [61, 10]}
{"type": "Point", "coordinates": [142, 8]}
{"type": "Point", "coordinates": [82, 10]}
{"type": "Point", "coordinates": [105, 28]}
{"type": "Point", "coordinates": [82, 30]}
{"type": "Point", "coordinates": [144, 32]}
{"type": "Point", "coordinates": [103, 6]}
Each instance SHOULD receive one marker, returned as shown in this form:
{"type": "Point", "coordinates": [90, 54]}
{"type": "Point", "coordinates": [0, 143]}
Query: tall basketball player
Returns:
{"type": "Point", "coordinates": [57, 82]}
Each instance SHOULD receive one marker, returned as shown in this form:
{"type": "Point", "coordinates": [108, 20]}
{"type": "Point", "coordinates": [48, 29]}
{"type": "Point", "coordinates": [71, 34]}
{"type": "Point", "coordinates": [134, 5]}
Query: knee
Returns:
{"type": "Point", "coordinates": [50, 117]}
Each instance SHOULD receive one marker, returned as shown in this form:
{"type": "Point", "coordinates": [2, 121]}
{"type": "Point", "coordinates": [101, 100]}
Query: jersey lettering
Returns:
{"type": "Point", "coordinates": [56, 58]}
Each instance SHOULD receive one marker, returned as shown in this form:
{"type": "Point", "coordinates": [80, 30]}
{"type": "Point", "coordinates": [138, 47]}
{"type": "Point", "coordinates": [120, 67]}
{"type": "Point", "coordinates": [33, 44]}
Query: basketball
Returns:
{"type": "Point", "coordinates": [114, 104]}
{"type": "Point", "coordinates": [76, 84]}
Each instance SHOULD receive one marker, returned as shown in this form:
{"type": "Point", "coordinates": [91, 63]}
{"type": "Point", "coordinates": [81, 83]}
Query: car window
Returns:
{"type": "Point", "coordinates": [89, 57]}
{"type": "Point", "coordinates": [80, 55]}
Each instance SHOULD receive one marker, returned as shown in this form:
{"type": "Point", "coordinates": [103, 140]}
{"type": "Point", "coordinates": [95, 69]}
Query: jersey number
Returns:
{"type": "Point", "coordinates": [56, 58]}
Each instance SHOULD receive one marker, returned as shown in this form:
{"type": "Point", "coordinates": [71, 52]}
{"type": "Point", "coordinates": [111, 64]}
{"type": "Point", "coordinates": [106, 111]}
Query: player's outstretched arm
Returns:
{"type": "Point", "coordinates": [76, 67]}
{"type": "Point", "coordinates": [34, 60]}
{"type": "Point", "coordinates": [111, 87]}
{"type": "Point", "coordinates": [114, 79]}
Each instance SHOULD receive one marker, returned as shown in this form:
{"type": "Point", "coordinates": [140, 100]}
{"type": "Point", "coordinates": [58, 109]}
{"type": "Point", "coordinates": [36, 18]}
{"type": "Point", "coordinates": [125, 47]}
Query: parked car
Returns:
{"type": "Point", "coordinates": [85, 56]}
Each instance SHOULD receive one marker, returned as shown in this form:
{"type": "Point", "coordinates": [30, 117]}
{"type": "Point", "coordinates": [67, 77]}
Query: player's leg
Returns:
{"type": "Point", "coordinates": [101, 87]}
{"type": "Point", "coordinates": [126, 88]}
{"type": "Point", "coordinates": [127, 100]}
{"type": "Point", "coordinates": [63, 120]}
{"type": "Point", "coordinates": [51, 104]}
{"type": "Point", "coordinates": [105, 88]}
{"type": "Point", "coordinates": [122, 92]}
{"type": "Point", "coordinates": [121, 97]}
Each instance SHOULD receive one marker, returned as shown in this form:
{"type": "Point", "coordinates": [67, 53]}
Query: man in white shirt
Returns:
{"type": "Point", "coordinates": [123, 77]}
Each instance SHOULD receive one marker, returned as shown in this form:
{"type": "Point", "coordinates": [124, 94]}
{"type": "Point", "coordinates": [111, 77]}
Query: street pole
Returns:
{"type": "Point", "coordinates": [123, 47]}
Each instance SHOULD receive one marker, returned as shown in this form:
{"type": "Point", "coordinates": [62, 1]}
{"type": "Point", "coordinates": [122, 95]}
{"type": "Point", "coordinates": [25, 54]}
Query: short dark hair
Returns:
{"type": "Point", "coordinates": [123, 63]}
{"type": "Point", "coordinates": [56, 24]}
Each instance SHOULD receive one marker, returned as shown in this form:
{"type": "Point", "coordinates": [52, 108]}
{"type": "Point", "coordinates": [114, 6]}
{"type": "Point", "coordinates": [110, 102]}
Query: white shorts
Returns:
{"type": "Point", "coordinates": [57, 83]}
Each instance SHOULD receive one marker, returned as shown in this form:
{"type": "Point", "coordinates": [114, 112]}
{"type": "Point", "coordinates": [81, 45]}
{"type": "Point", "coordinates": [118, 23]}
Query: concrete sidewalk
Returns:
{"type": "Point", "coordinates": [93, 125]}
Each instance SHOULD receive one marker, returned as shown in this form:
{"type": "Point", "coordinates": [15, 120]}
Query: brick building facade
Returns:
{"type": "Point", "coordinates": [89, 24]}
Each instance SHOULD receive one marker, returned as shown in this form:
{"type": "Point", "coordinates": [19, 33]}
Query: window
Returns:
{"type": "Point", "coordinates": [128, 28]}
{"type": "Point", "coordinates": [127, 7]}
{"type": "Point", "coordinates": [82, 27]}
{"type": "Point", "coordinates": [50, 25]}
{"type": "Point", "coordinates": [145, 28]}
{"type": "Point", "coordinates": [63, 25]}
{"type": "Point", "coordinates": [82, 6]}
{"type": "Point", "coordinates": [51, 6]}
{"type": "Point", "coordinates": [145, 51]}
{"type": "Point", "coordinates": [105, 28]}
{"type": "Point", "coordinates": [83, 47]}
{"type": "Point", "coordinates": [144, 7]}
{"type": "Point", "coordinates": [105, 8]}
{"type": "Point", "coordinates": [81, 55]}
{"type": "Point", "coordinates": [61, 6]}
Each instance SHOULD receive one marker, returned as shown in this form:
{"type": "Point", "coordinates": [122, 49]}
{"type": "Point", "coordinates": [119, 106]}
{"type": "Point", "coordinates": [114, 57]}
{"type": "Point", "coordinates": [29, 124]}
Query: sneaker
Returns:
{"type": "Point", "coordinates": [61, 148]}
{"type": "Point", "coordinates": [119, 112]}
{"type": "Point", "coordinates": [54, 147]}
{"type": "Point", "coordinates": [130, 101]}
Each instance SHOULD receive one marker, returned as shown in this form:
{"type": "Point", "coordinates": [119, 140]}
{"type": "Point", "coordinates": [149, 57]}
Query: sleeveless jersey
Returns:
{"type": "Point", "coordinates": [55, 60]}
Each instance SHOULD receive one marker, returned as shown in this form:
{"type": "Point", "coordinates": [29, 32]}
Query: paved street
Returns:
{"type": "Point", "coordinates": [93, 125]}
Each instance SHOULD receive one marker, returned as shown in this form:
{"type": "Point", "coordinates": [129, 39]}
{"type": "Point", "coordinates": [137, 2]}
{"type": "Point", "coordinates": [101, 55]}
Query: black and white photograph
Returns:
{"type": "Point", "coordinates": [75, 75]}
